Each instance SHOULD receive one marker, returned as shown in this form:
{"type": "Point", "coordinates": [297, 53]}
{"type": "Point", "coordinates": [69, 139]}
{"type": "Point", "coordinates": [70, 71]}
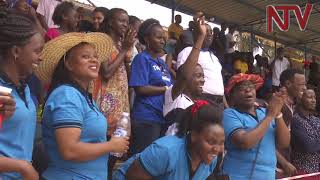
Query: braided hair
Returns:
{"type": "Point", "coordinates": [15, 30]}
{"type": "Point", "coordinates": [145, 29]}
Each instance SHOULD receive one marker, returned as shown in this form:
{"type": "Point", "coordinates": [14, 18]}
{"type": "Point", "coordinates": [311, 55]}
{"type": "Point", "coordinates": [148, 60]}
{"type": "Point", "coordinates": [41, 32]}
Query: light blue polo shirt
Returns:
{"type": "Point", "coordinates": [167, 159]}
{"type": "Point", "coordinates": [237, 162]}
{"type": "Point", "coordinates": [68, 106]}
{"type": "Point", "coordinates": [17, 132]}
{"type": "Point", "coordinates": [146, 71]}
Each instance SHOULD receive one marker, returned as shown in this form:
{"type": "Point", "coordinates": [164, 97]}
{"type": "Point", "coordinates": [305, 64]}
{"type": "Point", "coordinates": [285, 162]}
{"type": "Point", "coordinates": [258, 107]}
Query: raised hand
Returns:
{"type": "Point", "coordinates": [129, 39]}
{"type": "Point", "coordinates": [276, 104]}
{"type": "Point", "coordinates": [200, 25]}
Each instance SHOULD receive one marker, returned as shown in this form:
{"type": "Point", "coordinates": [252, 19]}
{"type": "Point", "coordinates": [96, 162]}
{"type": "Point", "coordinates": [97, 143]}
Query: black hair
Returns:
{"type": "Point", "coordinates": [205, 115]}
{"type": "Point", "coordinates": [280, 49]}
{"type": "Point", "coordinates": [15, 30]}
{"type": "Point", "coordinates": [61, 10]}
{"type": "Point", "coordinates": [133, 20]}
{"type": "Point", "coordinates": [103, 10]}
{"type": "Point", "coordinates": [105, 25]}
{"type": "Point", "coordinates": [61, 74]}
{"type": "Point", "coordinates": [85, 26]}
{"type": "Point", "coordinates": [289, 74]}
{"type": "Point", "coordinates": [145, 29]}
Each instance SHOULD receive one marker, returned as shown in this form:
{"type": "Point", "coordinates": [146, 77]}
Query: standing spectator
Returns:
{"type": "Point", "coordinates": [74, 130]}
{"type": "Point", "coordinates": [45, 11]}
{"type": "Point", "coordinates": [222, 36]}
{"type": "Point", "coordinates": [216, 46]}
{"type": "Point", "coordinates": [305, 131]}
{"type": "Point", "coordinates": [213, 88]}
{"type": "Point", "coordinates": [186, 36]}
{"type": "Point", "coordinates": [252, 133]}
{"type": "Point", "coordinates": [99, 14]}
{"type": "Point", "coordinates": [150, 78]}
{"type": "Point", "coordinates": [188, 85]}
{"type": "Point", "coordinates": [66, 16]}
{"type": "Point", "coordinates": [111, 88]}
{"type": "Point", "coordinates": [175, 29]}
{"type": "Point", "coordinates": [294, 81]}
{"type": "Point", "coordinates": [231, 42]}
{"type": "Point", "coordinates": [20, 48]}
{"type": "Point", "coordinates": [280, 64]}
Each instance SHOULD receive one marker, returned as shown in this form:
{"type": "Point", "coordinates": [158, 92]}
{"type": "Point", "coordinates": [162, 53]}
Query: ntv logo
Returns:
{"type": "Point", "coordinates": [284, 22]}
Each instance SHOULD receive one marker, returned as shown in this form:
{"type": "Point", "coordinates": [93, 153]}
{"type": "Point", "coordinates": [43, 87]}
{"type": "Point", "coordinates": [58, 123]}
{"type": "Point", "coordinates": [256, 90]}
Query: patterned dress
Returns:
{"type": "Point", "coordinates": [305, 141]}
{"type": "Point", "coordinates": [112, 96]}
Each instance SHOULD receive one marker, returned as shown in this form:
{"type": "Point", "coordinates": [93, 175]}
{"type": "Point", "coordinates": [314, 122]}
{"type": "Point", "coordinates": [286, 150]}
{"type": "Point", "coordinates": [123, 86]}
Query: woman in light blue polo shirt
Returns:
{"type": "Point", "coordinates": [74, 131]}
{"type": "Point", "coordinates": [150, 78]}
{"type": "Point", "coordinates": [252, 133]}
{"type": "Point", "coordinates": [189, 155]}
{"type": "Point", "coordinates": [20, 47]}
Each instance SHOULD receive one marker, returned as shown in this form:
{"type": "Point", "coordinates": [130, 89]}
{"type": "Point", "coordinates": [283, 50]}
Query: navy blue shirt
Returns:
{"type": "Point", "coordinates": [67, 106]}
{"type": "Point", "coordinates": [146, 71]}
{"type": "Point", "coordinates": [238, 162]}
{"type": "Point", "coordinates": [17, 132]}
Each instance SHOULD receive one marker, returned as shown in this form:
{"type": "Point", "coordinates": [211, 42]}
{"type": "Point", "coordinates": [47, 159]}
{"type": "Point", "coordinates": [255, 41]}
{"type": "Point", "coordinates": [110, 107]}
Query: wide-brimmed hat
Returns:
{"type": "Point", "coordinates": [238, 78]}
{"type": "Point", "coordinates": [55, 49]}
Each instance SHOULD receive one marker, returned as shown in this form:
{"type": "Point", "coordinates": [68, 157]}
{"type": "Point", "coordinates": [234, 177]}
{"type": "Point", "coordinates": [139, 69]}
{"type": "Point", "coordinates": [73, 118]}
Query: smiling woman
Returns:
{"type": "Point", "coordinates": [189, 155]}
{"type": "Point", "coordinates": [20, 47]}
{"type": "Point", "coordinates": [71, 62]}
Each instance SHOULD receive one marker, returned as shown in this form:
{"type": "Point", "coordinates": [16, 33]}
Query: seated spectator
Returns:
{"type": "Point", "coordinates": [252, 133]}
{"type": "Point", "coordinates": [175, 28]}
{"type": "Point", "coordinates": [66, 17]}
{"type": "Point", "coordinates": [216, 46]}
{"type": "Point", "coordinates": [45, 11]}
{"type": "Point", "coordinates": [192, 154]}
{"type": "Point", "coordinates": [99, 14]}
{"type": "Point", "coordinates": [305, 131]}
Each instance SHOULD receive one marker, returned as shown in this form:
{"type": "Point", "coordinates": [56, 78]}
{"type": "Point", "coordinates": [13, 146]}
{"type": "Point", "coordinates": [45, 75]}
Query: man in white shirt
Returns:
{"type": "Point", "coordinates": [45, 11]}
{"type": "Point", "coordinates": [280, 64]}
{"type": "Point", "coordinates": [230, 40]}
{"type": "Point", "coordinates": [213, 88]}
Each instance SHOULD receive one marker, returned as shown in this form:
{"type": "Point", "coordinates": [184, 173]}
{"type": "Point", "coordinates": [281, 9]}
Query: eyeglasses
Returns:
{"type": "Point", "coordinates": [246, 86]}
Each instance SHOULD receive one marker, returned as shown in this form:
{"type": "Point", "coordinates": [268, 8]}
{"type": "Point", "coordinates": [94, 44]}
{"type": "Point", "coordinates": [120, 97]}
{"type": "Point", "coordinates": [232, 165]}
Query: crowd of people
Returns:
{"type": "Point", "coordinates": [199, 109]}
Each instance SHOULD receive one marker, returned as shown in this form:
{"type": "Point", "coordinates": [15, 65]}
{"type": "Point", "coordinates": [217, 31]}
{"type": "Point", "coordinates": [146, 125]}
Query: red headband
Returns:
{"type": "Point", "coordinates": [197, 105]}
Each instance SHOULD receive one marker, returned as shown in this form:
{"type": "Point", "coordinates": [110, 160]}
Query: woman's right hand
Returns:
{"type": "Point", "coordinates": [200, 25]}
{"type": "Point", "coordinates": [28, 172]}
{"type": "Point", "coordinates": [7, 105]}
{"type": "Point", "coordinates": [275, 105]}
{"type": "Point", "coordinates": [129, 39]}
{"type": "Point", "coordinates": [119, 144]}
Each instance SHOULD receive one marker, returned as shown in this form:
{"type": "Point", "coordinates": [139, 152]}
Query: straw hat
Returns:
{"type": "Point", "coordinates": [55, 49]}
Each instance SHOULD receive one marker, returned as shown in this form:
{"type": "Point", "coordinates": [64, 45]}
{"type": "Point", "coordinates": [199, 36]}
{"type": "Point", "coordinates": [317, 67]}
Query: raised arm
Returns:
{"type": "Point", "coordinates": [187, 68]}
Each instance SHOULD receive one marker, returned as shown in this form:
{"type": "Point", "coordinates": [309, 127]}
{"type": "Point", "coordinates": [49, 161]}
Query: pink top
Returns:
{"type": "Point", "coordinates": [52, 33]}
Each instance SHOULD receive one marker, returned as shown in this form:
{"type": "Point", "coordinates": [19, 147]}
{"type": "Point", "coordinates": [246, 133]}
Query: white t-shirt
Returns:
{"type": "Point", "coordinates": [211, 68]}
{"type": "Point", "coordinates": [46, 9]}
{"type": "Point", "coordinates": [174, 108]}
{"type": "Point", "coordinates": [278, 68]}
{"type": "Point", "coordinates": [229, 38]}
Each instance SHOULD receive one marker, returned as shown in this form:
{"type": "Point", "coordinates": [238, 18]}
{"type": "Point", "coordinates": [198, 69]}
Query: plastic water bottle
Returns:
{"type": "Point", "coordinates": [123, 129]}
